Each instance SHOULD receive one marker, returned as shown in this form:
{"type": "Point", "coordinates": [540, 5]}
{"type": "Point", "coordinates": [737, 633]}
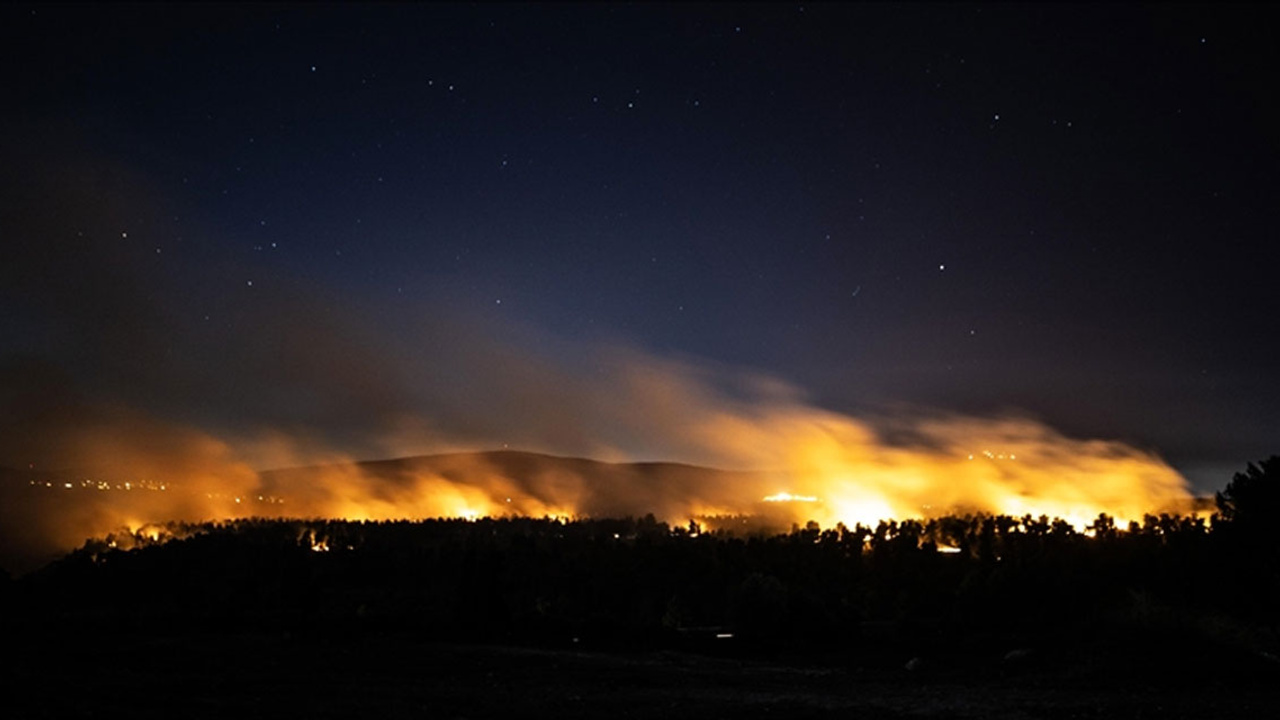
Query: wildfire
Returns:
{"type": "Point", "coordinates": [841, 471]}
{"type": "Point", "coordinates": [784, 497]}
{"type": "Point", "coordinates": [785, 462]}
{"type": "Point", "coordinates": [835, 469]}
{"type": "Point", "coordinates": [836, 476]}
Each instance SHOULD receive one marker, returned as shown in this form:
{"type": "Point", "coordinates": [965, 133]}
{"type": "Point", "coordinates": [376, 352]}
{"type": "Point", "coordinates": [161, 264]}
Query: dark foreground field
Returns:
{"type": "Point", "coordinates": [375, 675]}
{"type": "Point", "coordinates": [976, 616]}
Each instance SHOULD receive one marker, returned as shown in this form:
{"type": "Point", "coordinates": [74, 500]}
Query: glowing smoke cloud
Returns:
{"type": "Point", "coordinates": [813, 463]}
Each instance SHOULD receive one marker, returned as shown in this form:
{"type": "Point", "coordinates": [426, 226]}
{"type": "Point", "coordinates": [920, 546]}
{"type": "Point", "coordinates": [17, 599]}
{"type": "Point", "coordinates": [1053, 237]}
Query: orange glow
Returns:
{"type": "Point", "coordinates": [853, 476]}
{"type": "Point", "coordinates": [835, 469]}
{"type": "Point", "coordinates": [788, 497]}
{"type": "Point", "coordinates": [791, 463]}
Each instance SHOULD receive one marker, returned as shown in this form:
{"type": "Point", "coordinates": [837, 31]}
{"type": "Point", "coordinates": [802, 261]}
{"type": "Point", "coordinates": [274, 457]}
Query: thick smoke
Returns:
{"type": "Point", "coordinates": [766, 439]}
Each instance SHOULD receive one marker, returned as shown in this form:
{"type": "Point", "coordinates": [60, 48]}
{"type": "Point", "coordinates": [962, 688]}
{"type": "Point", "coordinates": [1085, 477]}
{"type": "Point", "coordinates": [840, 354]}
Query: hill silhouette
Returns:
{"type": "Point", "coordinates": [599, 488]}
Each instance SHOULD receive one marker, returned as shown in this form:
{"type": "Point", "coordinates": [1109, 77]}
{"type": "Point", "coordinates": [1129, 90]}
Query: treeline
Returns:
{"type": "Point", "coordinates": [640, 582]}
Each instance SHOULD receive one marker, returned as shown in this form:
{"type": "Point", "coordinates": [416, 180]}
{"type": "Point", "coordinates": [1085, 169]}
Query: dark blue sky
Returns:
{"type": "Point", "coordinates": [319, 218]}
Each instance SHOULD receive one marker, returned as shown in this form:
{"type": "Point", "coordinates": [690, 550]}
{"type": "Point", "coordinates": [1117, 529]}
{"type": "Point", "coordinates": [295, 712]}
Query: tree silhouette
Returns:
{"type": "Point", "coordinates": [1248, 549]}
{"type": "Point", "coordinates": [1252, 497]}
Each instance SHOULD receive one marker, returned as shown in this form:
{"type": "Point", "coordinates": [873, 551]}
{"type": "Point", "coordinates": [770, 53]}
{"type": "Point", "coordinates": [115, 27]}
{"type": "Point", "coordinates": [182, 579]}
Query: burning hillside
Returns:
{"type": "Point", "coordinates": [824, 480]}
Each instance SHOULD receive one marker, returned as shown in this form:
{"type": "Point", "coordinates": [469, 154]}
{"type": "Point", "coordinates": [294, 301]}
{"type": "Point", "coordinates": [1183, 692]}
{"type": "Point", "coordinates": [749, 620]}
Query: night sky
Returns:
{"type": "Point", "coordinates": [450, 225]}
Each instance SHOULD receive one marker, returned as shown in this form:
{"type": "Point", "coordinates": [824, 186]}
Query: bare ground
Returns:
{"type": "Point", "coordinates": [278, 675]}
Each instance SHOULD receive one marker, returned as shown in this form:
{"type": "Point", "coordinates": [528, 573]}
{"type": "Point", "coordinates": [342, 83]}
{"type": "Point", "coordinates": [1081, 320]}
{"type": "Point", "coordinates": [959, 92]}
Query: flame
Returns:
{"type": "Point", "coordinates": [846, 472]}
{"type": "Point", "coordinates": [835, 470]}
{"type": "Point", "coordinates": [790, 461]}
{"type": "Point", "coordinates": [788, 497]}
